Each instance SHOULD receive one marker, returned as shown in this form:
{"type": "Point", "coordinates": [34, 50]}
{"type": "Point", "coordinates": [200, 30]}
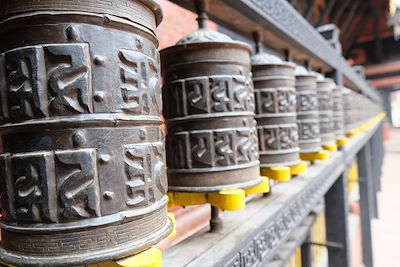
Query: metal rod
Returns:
{"type": "Point", "coordinates": [258, 41]}
{"type": "Point", "coordinates": [202, 10]}
{"type": "Point", "coordinates": [327, 244]}
{"type": "Point", "coordinates": [216, 224]}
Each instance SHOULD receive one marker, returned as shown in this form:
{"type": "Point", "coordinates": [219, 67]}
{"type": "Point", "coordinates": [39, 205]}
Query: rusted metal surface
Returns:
{"type": "Point", "coordinates": [209, 108]}
{"type": "Point", "coordinates": [276, 103]}
{"type": "Point", "coordinates": [307, 111]}
{"type": "Point", "coordinates": [325, 87]}
{"type": "Point", "coordinates": [83, 174]}
{"type": "Point", "coordinates": [338, 112]}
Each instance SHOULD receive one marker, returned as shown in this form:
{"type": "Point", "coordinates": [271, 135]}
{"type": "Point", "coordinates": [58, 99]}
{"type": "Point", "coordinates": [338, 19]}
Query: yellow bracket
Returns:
{"type": "Point", "coordinates": [262, 188]}
{"type": "Point", "coordinates": [148, 258]}
{"type": "Point", "coordinates": [278, 173]}
{"type": "Point", "coordinates": [365, 127]}
{"type": "Point", "coordinates": [332, 148]}
{"type": "Point", "coordinates": [171, 216]}
{"type": "Point", "coordinates": [299, 169]}
{"type": "Point", "coordinates": [342, 142]}
{"type": "Point", "coordinates": [353, 134]}
{"type": "Point", "coordinates": [232, 199]}
{"type": "Point", "coordinates": [321, 155]}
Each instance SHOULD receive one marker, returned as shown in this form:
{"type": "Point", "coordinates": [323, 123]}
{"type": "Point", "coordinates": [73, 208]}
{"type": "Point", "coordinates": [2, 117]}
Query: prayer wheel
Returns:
{"type": "Point", "coordinates": [276, 103]}
{"type": "Point", "coordinates": [83, 173]}
{"type": "Point", "coordinates": [325, 87]}
{"type": "Point", "coordinates": [338, 113]}
{"type": "Point", "coordinates": [208, 99]}
{"type": "Point", "coordinates": [307, 111]}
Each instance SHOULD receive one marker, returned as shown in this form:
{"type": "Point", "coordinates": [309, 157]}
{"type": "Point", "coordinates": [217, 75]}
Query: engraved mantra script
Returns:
{"type": "Point", "coordinates": [144, 170]}
{"type": "Point", "coordinates": [140, 89]}
{"type": "Point", "coordinates": [50, 187]}
{"type": "Point", "coordinates": [46, 80]}
{"type": "Point", "coordinates": [207, 149]}
{"type": "Point", "coordinates": [64, 185]}
{"type": "Point", "coordinates": [210, 94]}
{"type": "Point", "coordinates": [279, 100]}
{"type": "Point", "coordinates": [277, 137]}
{"type": "Point", "coordinates": [307, 102]}
{"type": "Point", "coordinates": [308, 129]}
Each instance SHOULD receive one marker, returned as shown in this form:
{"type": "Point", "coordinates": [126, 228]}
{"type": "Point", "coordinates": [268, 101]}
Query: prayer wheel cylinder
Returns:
{"type": "Point", "coordinates": [338, 113]}
{"type": "Point", "coordinates": [208, 99]}
{"type": "Point", "coordinates": [325, 87]}
{"type": "Point", "coordinates": [276, 103]}
{"type": "Point", "coordinates": [83, 173]}
{"type": "Point", "coordinates": [307, 111]}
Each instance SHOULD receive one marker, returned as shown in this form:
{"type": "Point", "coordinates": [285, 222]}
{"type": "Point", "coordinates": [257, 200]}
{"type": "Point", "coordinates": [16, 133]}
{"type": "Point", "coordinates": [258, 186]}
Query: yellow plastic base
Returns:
{"type": "Point", "coordinates": [365, 127]}
{"type": "Point", "coordinates": [278, 173]}
{"type": "Point", "coordinates": [353, 134]}
{"type": "Point", "coordinates": [232, 199]}
{"type": "Point", "coordinates": [332, 148]}
{"type": "Point", "coordinates": [321, 155]}
{"type": "Point", "coordinates": [299, 169]}
{"type": "Point", "coordinates": [262, 188]}
{"type": "Point", "coordinates": [171, 216]}
{"type": "Point", "coordinates": [148, 258]}
{"type": "Point", "coordinates": [342, 142]}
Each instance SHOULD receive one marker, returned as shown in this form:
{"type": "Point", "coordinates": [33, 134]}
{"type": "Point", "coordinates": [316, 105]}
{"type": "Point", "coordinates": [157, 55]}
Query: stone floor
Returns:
{"type": "Point", "coordinates": [386, 229]}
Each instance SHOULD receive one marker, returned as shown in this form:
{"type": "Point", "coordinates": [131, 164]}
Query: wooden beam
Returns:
{"type": "Point", "coordinates": [326, 12]}
{"type": "Point", "coordinates": [386, 82]}
{"type": "Point", "coordinates": [310, 8]}
{"type": "Point", "coordinates": [337, 15]}
{"type": "Point", "coordinates": [350, 39]}
{"type": "Point", "coordinates": [371, 37]}
{"type": "Point", "coordinates": [378, 38]}
{"type": "Point", "coordinates": [349, 17]}
{"type": "Point", "coordinates": [382, 68]}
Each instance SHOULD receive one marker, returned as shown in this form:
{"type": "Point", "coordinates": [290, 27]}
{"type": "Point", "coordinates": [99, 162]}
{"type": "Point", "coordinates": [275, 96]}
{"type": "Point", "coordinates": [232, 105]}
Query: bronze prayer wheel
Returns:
{"type": "Point", "coordinates": [208, 99]}
{"type": "Point", "coordinates": [325, 87]}
{"type": "Point", "coordinates": [338, 113]}
{"type": "Point", "coordinates": [307, 111]}
{"type": "Point", "coordinates": [348, 110]}
{"type": "Point", "coordinates": [275, 95]}
{"type": "Point", "coordinates": [83, 175]}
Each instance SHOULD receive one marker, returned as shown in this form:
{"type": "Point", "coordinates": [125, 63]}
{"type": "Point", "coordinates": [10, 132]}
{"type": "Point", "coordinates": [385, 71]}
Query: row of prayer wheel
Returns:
{"type": "Point", "coordinates": [84, 171]}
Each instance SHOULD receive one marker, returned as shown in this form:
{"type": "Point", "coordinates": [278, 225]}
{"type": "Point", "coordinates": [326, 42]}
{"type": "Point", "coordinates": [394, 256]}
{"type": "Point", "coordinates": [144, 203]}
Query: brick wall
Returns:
{"type": "Point", "coordinates": [177, 23]}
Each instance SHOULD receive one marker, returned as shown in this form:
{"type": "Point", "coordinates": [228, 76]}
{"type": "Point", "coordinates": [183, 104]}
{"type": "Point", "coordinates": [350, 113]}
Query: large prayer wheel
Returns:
{"type": "Point", "coordinates": [275, 95]}
{"type": "Point", "coordinates": [83, 174]}
{"type": "Point", "coordinates": [307, 111]}
{"type": "Point", "coordinates": [325, 87]}
{"type": "Point", "coordinates": [209, 108]}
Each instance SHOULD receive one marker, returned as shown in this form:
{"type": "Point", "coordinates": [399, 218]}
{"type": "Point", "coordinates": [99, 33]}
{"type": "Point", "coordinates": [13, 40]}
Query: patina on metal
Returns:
{"type": "Point", "coordinates": [325, 87]}
{"type": "Point", "coordinates": [307, 111]}
{"type": "Point", "coordinates": [276, 103]}
{"type": "Point", "coordinates": [83, 173]}
{"type": "Point", "coordinates": [209, 108]}
{"type": "Point", "coordinates": [338, 113]}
